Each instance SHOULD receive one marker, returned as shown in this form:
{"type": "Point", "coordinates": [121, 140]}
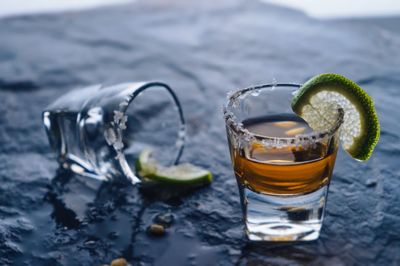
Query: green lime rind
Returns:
{"type": "Point", "coordinates": [144, 165]}
{"type": "Point", "coordinates": [183, 174]}
{"type": "Point", "coordinates": [173, 175]}
{"type": "Point", "coordinates": [365, 143]}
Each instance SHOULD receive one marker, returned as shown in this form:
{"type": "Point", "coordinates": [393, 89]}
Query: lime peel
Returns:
{"type": "Point", "coordinates": [360, 130]}
{"type": "Point", "coordinates": [185, 173]}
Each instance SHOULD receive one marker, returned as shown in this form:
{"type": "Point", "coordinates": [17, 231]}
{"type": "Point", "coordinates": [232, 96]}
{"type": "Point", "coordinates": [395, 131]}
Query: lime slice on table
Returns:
{"type": "Point", "coordinates": [186, 173]}
{"type": "Point", "coordinates": [317, 100]}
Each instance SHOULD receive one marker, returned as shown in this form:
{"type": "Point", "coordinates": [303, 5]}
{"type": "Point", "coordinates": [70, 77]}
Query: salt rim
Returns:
{"type": "Point", "coordinates": [233, 98]}
{"type": "Point", "coordinates": [114, 134]}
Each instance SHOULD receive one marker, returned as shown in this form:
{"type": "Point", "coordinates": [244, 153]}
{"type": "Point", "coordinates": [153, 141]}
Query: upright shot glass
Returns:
{"type": "Point", "coordinates": [282, 167]}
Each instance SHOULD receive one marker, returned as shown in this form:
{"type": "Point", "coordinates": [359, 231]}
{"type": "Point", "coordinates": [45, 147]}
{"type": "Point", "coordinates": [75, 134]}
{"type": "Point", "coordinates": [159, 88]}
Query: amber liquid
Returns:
{"type": "Point", "coordinates": [289, 170]}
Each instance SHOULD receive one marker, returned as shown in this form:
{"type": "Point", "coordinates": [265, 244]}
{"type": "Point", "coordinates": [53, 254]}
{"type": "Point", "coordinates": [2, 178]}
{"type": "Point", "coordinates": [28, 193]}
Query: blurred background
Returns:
{"type": "Point", "coordinates": [319, 9]}
{"type": "Point", "coordinates": [203, 50]}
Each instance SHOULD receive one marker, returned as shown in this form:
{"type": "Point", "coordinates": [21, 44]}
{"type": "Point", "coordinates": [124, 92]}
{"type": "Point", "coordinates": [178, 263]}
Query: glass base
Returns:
{"type": "Point", "coordinates": [283, 218]}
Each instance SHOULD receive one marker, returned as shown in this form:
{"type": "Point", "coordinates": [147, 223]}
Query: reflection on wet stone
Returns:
{"type": "Point", "coordinates": [207, 222]}
{"type": "Point", "coordinates": [165, 218]}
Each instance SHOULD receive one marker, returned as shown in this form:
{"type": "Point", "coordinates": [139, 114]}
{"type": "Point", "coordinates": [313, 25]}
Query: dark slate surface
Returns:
{"type": "Point", "coordinates": [202, 50]}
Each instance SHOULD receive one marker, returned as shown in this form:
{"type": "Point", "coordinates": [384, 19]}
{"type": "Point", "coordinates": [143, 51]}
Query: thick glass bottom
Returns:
{"type": "Point", "coordinates": [283, 218]}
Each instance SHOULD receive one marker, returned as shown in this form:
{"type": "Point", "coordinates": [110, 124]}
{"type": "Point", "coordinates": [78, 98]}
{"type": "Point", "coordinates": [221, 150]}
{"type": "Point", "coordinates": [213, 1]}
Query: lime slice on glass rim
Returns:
{"type": "Point", "coordinates": [315, 100]}
{"type": "Point", "coordinates": [185, 174]}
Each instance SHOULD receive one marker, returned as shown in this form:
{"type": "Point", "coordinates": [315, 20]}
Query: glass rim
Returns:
{"type": "Point", "coordinates": [119, 123]}
{"type": "Point", "coordinates": [182, 124]}
{"type": "Point", "coordinates": [237, 126]}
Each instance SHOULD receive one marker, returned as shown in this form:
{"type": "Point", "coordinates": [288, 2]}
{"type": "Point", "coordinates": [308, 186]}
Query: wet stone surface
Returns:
{"type": "Point", "coordinates": [202, 50]}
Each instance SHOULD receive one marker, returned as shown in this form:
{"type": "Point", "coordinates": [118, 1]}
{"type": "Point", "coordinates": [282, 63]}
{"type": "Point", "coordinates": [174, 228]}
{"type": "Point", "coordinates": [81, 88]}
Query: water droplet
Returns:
{"type": "Point", "coordinates": [274, 83]}
{"type": "Point", "coordinates": [255, 92]}
{"type": "Point", "coordinates": [90, 244]}
{"type": "Point", "coordinates": [165, 219]}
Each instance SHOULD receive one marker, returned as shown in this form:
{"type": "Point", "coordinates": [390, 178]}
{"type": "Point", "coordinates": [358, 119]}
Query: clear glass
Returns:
{"type": "Point", "coordinates": [283, 180]}
{"type": "Point", "coordinates": [98, 131]}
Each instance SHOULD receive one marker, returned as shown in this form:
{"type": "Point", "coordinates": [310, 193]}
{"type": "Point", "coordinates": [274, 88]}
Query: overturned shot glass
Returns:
{"type": "Point", "coordinates": [99, 131]}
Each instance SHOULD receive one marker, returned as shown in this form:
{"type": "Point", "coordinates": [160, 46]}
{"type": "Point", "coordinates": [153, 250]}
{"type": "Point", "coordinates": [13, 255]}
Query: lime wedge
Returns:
{"type": "Point", "coordinates": [185, 173]}
{"type": "Point", "coordinates": [146, 165]}
{"type": "Point", "coordinates": [317, 102]}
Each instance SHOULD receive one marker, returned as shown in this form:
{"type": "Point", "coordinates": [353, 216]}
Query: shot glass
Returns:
{"type": "Point", "coordinates": [99, 131]}
{"type": "Point", "coordinates": [282, 167]}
